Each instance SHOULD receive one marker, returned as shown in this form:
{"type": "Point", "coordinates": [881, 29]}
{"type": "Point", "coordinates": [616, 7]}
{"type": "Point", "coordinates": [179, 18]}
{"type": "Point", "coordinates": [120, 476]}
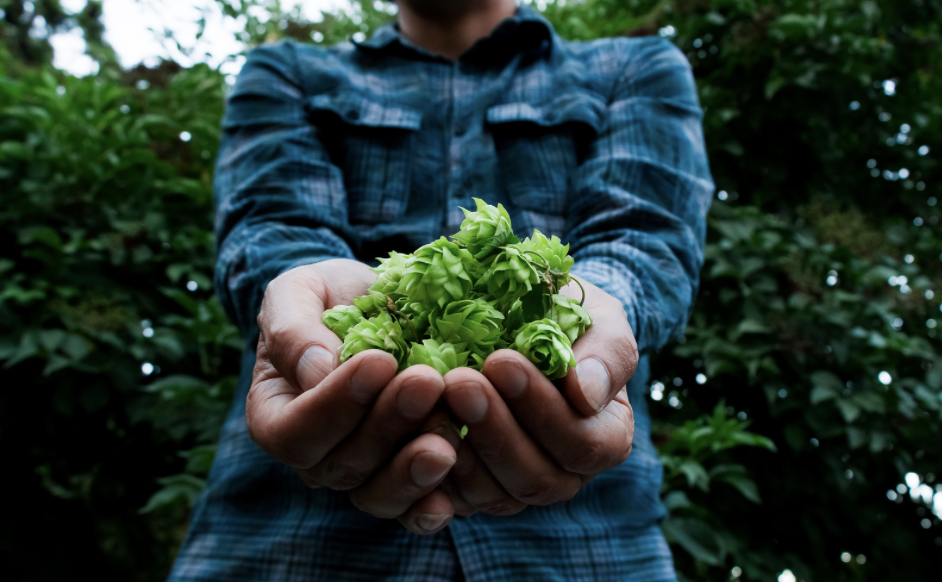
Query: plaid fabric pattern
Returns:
{"type": "Point", "coordinates": [358, 149]}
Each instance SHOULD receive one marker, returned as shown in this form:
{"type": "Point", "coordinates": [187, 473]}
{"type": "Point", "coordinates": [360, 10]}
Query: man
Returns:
{"type": "Point", "coordinates": [335, 156]}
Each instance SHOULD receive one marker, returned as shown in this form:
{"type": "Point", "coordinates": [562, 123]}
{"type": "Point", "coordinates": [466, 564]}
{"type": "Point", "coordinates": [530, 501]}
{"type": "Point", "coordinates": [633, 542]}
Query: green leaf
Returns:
{"type": "Point", "coordinates": [676, 500]}
{"type": "Point", "coordinates": [696, 537]}
{"type": "Point", "coordinates": [819, 394]}
{"type": "Point", "coordinates": [849, 410]}
{"type": "Point", "coordinates": [182, 487]}
{"type": "Point", "coordinates": [199, 459]}
{"type": "Point", "coordinates": [746, 486]}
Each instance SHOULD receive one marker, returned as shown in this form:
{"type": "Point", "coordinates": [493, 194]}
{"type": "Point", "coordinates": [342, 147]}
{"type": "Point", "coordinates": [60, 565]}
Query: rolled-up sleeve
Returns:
{"type": "Point", "coordinates": [637, 215]}
{"type": "Point", "coordinates": [280, 202]}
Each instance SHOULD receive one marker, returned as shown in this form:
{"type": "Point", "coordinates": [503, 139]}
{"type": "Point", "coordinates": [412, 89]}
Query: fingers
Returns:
{"type": "Point", "coordinates": [505, 449]}
{"type": "Point", "coordinates": [478, 488]}
{"type": "Point", "coordinates": [607, 354]}
{"type": "Point", "coordinates": [469, 484]}
{"type": "Point", "coordinates": [586, 445]}
{"type": "Point", "coordinates": [412, 474]}
{"type": "Point", "coordinates": [399, 411]}
{"type": "Point", "coordinates": [429, 515]}
{"type": "Point", "coordinates": [299, 429]}
{"type": "Point", "coordinates": [297, 343]}
{"type": "Point", "coordinates": [461, 506]}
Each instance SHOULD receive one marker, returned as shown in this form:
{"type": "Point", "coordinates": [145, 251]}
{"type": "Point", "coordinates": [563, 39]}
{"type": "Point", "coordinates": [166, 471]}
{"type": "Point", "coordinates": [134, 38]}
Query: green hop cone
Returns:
{"type": "Point", "coordinates": [474, 324]}
{"type": "Point", "coordinates": [418, 314]}
{"type": "Point", "coordinates": [395, 260]}
{"type": "Point", "coordinates": [377, 333]}
{"type": "Point", "coordinates": [341, 318]}
{"type": "Point", "coordinates": [509, 275]}
{"type": "Point", "coordinates": [573, 319]}
{"type": "Point", "coordinates": [556, 262]}
{"type": "Point", "coordinates": [544, 343]}
{"type": "Point", "coordinates": [513, 318]}
{"type": "Point", "coordinates": [437, 274]}
{"type": "Point", "coordinates": [485, 230]}
{"type": "Point", "coordinates": [389, 274]}
{"type": "Point", "coordinates": [442, 356]}
{"type": "Point", "coordinates": [371, 304]}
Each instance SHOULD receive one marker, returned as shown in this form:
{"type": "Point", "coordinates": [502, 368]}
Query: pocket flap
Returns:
{"type": "Point", "coordinates": [570, 107]}
{"type": "Point", "coordinates": [356, 109]}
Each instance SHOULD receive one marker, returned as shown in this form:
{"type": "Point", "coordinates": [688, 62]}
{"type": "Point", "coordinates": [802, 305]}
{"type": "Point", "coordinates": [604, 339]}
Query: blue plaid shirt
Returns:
{"type": "Point", "coordinates": [359, 149]}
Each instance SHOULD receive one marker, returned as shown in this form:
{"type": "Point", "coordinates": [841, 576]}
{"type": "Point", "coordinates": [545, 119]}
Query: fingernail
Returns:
{"type": "Point", "coordinates": [411, 401]}
{"type": "Point", "coordinates": [512, 380]}
{"type": "Point", "coordinates": [314, 366]}
{"type": "Point", "coordinates": [430, 522]}
{"type": "Point", "coordinates": [594, 382]}
{"type": "Point", "coordinates": [430, 468]}
{"type": "Point", "coordinates": [468, 401]}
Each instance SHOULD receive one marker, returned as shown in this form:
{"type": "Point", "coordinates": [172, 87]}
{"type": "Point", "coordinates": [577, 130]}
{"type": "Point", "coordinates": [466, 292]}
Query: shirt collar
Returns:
{"type": "Point", "coordinates": [524, 32]}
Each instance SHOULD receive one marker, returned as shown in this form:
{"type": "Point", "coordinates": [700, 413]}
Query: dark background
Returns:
{"type": "Point", "coordinates": [798, 418]}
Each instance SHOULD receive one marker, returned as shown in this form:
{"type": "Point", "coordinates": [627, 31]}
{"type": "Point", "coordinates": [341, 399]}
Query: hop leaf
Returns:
{"type": "Point", "coordinates": [573, 319]}
{"type": "Point", "coordinates": [509, 275]}
{"type": "Point", "coordinates": [381, 332]}
{"type": "Point", "coordinates": [442, 356]}
{"type": "Point", "coordinates": [485, 230]}
{"type": "Point", "coordinates": [473, 324]}
{"type": "Point", "coordinates": [544, 343]}
{"type": "Point", "coordinates": [341, 318]}
{"type": "Point", "coordinates": [437, 274]}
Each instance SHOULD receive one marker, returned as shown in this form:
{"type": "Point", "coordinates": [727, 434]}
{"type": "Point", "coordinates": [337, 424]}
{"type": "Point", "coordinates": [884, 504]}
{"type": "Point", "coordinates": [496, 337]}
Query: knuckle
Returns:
{"type": "Point", "coordinates": [626, 452]}
{"type": "Point", "coordinates": [361, 502]}
{"type": "Point", "coordinates": [342, 475]}
{"type": "Point", "coordinates": [491, 448]}
{"type": "Point", "coordinates": [283, 452]}
{"type": "Point", "coordinates": [367, 503]}
{"type": "Point", "coordinates": [502, 507]}
{"type": "Point", "coordinates": [626, 351]}
{"type": "Point", "coordinates": [540, 490]}
{"type": "Point", "coordinates": [582, 458]}
{"type": "Point", "coordinates": [280, 337]}
{"type": "Point", "coordinates": [309, 480]}
{"type": "Point", "coordinates": [462, 511]}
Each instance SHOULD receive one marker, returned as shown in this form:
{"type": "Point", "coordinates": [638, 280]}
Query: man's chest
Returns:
{"type": "Point", "coordinates": [423, 138]}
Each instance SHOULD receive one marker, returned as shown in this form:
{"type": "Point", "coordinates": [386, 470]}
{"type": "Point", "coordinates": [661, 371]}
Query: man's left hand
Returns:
{"type": "Point", "coordinates": [529, 443]}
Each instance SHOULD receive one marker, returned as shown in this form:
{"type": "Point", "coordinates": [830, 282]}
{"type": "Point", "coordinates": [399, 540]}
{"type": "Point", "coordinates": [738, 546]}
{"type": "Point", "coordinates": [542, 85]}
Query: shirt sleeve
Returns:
{"type": "Point", "coordinates": [638, 214]}
{"type": "Point", "coordinates": [280, 202]}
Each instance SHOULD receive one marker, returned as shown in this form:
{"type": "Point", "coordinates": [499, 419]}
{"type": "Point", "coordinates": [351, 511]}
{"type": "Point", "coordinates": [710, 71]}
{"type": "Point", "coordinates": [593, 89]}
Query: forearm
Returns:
{"type": "Point", "coordinates": [280, 200]}
{"type": "Point", "coordinates": [641, 197]}
{"type": "Point", "coordinates": [253, 255]}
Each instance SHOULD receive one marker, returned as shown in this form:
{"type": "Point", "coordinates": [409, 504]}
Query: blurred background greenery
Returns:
{"type": "Point", "coordinates": [798, 417]}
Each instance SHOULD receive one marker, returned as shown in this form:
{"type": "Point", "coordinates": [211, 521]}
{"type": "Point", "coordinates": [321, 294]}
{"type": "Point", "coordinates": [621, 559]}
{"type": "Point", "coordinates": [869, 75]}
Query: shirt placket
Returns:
{"type": "Point", "coordinates": [458, 125]}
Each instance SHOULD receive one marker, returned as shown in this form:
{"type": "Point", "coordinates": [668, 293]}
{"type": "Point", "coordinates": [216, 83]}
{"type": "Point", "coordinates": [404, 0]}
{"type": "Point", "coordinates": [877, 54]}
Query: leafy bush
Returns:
{"type": "Point", "coordinates": [798, 418]}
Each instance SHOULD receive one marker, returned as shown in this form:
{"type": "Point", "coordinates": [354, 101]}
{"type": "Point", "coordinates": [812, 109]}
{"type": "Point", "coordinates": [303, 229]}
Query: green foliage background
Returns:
{"type": "Point", "coordinates": [822, 262]}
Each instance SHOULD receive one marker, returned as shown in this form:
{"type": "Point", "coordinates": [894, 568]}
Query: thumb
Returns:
{"type": "Point", "coordinates": [607, 356]}
{"type": "Point", "coordinates": [298, 344]}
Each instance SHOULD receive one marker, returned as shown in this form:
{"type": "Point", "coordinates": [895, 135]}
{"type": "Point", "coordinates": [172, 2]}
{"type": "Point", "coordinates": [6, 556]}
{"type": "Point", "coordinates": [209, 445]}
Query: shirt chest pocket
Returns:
{"type": "Point", "coordinates": [372, 143]}
{"type": "Point", "coordinates": [539, 146]}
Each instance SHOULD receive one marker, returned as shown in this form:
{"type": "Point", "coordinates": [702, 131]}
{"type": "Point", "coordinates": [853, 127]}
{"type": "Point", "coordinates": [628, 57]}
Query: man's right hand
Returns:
{"type": "Point", "coordinates": [344, 427]}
